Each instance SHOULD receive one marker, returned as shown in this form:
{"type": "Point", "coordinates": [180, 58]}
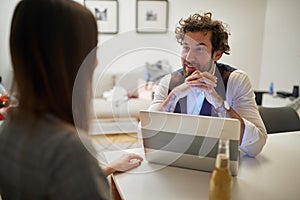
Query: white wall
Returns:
{"type": "Point", "coordinates": [255, 26]}
{"type": "Point", "coordinates": [281, 47]}
{"type": "Point", "coordinates": [128, 50]}
{"type": "Point", "coordinates": [246, 32]}
{"type": "Point", "coordinates": [6, 11]}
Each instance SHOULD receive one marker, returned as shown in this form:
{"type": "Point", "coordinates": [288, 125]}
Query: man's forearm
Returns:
{"type": "Point", "coordinates": [168, 105]}
{"type": "Point", "coordinates": [233, 114]}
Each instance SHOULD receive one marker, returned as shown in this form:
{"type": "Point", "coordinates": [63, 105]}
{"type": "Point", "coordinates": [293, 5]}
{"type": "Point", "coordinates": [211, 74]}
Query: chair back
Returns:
{"type": "Point", "coordinates": [279, 119]}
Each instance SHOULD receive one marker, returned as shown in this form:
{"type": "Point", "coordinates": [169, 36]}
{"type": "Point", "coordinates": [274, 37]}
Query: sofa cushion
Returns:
{"type": "Point", "coordinates": [111, 109]}
{"type": "Point", "coordinates": [105, 81]}
{"type": "Point", "coordinates": [102, 82]}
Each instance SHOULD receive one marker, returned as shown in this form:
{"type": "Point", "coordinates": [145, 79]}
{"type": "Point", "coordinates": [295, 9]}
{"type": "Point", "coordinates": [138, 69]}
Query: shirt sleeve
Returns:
{"type": "Point", "coordinates": [161, 93]}
{"type": "Point", "coordinates": [241, 98]}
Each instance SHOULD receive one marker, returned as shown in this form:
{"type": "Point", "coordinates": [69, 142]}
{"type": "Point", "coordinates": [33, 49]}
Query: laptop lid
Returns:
{"type": "Point", "coordinates": [189, 141]}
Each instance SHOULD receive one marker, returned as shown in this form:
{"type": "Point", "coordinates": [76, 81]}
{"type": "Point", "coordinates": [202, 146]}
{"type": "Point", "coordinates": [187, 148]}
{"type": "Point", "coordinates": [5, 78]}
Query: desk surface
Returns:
{"type": "Point", "coordinates": [273, 174]}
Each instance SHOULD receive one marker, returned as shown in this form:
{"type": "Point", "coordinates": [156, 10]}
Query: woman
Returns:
{"type": "Point", "coordinates": [41, 154]}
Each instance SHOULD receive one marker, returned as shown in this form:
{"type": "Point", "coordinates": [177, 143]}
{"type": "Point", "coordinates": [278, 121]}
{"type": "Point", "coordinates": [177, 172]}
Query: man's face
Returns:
{"type": "Point", "coordinates": [197, 52]}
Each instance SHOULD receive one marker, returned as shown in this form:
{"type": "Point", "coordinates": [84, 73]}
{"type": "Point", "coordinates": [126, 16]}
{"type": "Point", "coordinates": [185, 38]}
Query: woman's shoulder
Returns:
{"type": "Point", "coordinates": [44, 132]}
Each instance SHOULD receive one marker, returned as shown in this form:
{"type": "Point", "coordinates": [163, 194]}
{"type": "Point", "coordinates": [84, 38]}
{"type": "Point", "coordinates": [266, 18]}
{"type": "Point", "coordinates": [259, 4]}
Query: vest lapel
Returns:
{"type": "Point", "coordinates": [206, 108]}
{"type": "Point", "coordinates": [181, 106]}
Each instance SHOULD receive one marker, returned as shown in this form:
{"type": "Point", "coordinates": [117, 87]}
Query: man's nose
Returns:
{"type": "Point", "coordinates": [190, 56]}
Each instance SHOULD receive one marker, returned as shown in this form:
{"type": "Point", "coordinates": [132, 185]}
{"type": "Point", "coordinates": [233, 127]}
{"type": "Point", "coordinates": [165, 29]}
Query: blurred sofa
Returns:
{"type": "Point", "coordinates": [120, 94]}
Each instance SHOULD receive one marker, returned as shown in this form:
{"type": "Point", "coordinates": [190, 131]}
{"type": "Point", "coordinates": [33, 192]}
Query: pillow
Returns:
{"type": "Point", "coordinates": [102, 82]}
{"type": "Point", "coordinates": [146, 89]}
{"type": "Point", "coordinates": [129, 80]}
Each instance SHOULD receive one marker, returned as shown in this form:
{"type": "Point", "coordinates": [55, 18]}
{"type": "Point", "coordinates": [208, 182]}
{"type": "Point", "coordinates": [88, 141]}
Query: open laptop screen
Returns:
{"type": "Point", "coordinates": [188, 141]}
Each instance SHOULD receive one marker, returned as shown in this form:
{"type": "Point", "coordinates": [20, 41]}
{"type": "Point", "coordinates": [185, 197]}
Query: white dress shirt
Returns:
{"type": "Point", "coordinates": [194, 102]}
{"type": "Point", "coordinates": [241, 98]}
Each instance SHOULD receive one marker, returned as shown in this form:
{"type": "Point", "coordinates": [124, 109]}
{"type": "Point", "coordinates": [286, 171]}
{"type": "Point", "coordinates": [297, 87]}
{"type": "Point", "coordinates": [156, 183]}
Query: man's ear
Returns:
{"type": "Point", "coordinates": [217, 55]}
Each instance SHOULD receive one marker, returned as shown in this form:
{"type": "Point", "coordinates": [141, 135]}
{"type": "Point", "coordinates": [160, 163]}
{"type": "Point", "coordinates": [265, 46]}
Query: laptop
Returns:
{"type": "Point", "coordinates": [188, 141]}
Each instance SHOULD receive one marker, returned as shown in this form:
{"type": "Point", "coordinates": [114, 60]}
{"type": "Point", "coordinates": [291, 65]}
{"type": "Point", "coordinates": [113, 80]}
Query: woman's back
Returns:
{"type": "Point", "coordinates": [45, 159]}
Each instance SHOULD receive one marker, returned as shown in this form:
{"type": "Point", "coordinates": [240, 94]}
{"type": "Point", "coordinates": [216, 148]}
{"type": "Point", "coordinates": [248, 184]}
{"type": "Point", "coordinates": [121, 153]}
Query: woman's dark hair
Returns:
{"type": "Point", "coordinates": [49, 40]}
{"type": "Point", "coordinates": [204, 23]}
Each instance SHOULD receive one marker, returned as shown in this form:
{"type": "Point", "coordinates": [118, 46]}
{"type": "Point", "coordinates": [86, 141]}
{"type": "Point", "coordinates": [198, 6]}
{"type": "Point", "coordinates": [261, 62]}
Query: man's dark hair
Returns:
{"type": "Point", "coordinates": [204, 23]}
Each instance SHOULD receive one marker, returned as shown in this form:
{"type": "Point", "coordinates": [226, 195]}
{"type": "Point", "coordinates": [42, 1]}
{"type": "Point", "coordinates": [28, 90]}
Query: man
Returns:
{"type": "Point", "coordinates": [206, 87]}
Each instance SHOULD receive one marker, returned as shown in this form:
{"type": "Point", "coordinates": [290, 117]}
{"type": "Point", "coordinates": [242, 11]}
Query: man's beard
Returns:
{"type": "Point", "coordinates": [202, 68]}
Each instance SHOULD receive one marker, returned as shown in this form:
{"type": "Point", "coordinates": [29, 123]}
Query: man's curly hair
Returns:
{"type": "Point", "coordinates": [204, 23]}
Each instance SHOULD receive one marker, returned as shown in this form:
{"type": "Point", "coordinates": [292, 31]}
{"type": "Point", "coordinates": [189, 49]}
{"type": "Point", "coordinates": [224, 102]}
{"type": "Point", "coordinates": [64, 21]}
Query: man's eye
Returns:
{"type": "Point", "coordinates": [186, 48]}
{"type": "Point", "coordinates": [200, 49]}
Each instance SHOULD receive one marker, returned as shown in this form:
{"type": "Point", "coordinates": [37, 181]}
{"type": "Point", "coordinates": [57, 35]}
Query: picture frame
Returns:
{"type": "Point", "coordinates": [151, 16]}
{"type": "Point", "coordinates": [106, 14]}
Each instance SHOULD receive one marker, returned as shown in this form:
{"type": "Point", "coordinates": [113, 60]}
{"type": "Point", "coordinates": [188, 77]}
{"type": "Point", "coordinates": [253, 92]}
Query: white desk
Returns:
{"type": "Point", "coordinates": [274, 174]}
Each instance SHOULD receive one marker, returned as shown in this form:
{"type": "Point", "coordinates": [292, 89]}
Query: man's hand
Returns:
{"type": "Point", "coordinates": [182, 90]}
{"type": "Point", "coordinates": [205, 82]}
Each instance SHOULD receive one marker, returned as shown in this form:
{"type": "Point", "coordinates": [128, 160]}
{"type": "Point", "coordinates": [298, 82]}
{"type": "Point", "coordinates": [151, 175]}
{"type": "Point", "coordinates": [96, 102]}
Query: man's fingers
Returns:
{"type": "Point", "coordinates": [197, 77]}
{"type": "Point", "coordinates": [209, 76]}
{"type": "Point", "coordinates": [202, 81]}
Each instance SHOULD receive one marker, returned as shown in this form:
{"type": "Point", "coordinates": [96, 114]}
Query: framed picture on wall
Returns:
{"type": "Point", "coordinates": [106, 14]}
{"type": "Point", "coordinates": [151, 16]}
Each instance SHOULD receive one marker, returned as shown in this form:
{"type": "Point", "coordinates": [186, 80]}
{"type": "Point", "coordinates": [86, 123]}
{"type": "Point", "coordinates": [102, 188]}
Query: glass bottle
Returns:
{"type": "Point", "coordinates": [221, 179]}
{"type": "Point", "coordinates": [271, 88]}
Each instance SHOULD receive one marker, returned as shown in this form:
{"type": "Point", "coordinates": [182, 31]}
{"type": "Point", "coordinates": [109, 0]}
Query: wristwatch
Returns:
{"type": "Point", "coordinates": [224, 107]}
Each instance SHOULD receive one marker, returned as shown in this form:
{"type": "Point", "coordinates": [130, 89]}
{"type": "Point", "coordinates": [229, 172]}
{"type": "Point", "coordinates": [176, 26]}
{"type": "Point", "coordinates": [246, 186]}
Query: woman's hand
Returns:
{"type": "Point", "coordinates": [124, 163]}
